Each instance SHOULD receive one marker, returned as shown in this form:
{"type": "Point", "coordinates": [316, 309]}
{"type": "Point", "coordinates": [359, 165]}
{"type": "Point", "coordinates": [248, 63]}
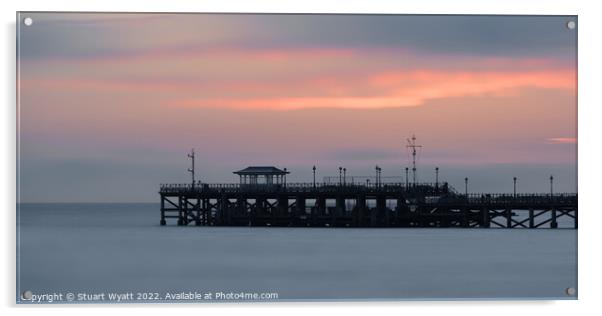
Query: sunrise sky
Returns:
{"type": "Point", "coordinates": [111, 103]}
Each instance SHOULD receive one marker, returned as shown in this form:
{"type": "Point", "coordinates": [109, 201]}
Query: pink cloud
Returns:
{"type": "Point", "coordinates": [306, 78]}
{"type": "Point", "coordinates": [401, 89]}
{"type": "Point", "coordinates": [562, 140]}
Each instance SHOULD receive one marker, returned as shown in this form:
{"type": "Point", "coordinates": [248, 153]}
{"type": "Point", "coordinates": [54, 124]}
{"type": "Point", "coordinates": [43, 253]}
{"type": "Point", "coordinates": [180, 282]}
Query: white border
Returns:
{"type": "Point", "coordinates": [589, 148]}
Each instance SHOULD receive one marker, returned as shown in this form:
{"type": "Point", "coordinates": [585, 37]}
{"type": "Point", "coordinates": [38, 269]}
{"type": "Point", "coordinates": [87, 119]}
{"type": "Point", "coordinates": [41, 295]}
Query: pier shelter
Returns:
{"type": "Point", "coordinates": [256, 175]}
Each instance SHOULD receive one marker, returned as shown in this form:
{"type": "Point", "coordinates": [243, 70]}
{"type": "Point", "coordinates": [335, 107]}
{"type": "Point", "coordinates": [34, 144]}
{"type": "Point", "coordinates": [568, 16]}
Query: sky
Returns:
{"type": "Point", "coordinates": [110, 104]}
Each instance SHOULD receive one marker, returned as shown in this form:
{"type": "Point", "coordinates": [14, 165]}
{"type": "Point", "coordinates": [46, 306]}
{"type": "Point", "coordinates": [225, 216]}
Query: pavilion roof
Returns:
{"type": "Point", "coordinates": [261, 170]}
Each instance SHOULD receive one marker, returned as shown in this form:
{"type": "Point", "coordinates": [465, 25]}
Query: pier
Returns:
{"type": "Point", "coordinates": [264, 198]}
{"type": "Point", "coordinates": [281, 204]}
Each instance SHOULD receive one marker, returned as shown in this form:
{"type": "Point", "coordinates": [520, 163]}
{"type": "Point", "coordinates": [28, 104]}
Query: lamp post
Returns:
{"type": "Point", "coordinates": [436, 177]}
{"type": "Point", "coordinates": [376, 175]}
{"type": "Point", "coordinates": [514, 186]}
{"type": "Point", "coordinates": [340, 175]}
{"type": "Point", "coordinates": [284, 177]}
{"type": "Point", "coordinates": [407, 180]}
{"type": "Point", "coordinates": [314, 169]}
{"type": "Point", "coordinates": [191, 170]}
{"type": "Point", "coordinates": [551, 186]}
{"type": "Point", "coordinates": [466, 186]}
{"type": "Point", "coordinates": [344, 176]}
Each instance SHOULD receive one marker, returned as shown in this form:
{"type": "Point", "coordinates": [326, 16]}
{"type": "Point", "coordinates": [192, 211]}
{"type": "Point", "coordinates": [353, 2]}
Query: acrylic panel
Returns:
{"type": "Point", "coordinates": [189, 157]}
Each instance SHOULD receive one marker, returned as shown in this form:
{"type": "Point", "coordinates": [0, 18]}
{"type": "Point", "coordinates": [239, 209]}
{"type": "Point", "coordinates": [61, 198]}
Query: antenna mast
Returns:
{"type": "Point", "coordinates": [413, 146]}
{"type": "Point", "coordinates": [191, 170]}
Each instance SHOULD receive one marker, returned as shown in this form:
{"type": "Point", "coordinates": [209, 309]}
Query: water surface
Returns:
{"type": "Point", "coordinates": [94, 248]}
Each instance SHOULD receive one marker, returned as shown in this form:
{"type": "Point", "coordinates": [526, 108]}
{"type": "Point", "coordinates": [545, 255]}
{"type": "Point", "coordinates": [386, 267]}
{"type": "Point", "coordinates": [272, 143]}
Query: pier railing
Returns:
{"type": "Point", "coordinates": [530, 198]}
{"type": "Point", "coordinates": [442, 193]}
{"type": "Point", "coordinates": [322, 187]}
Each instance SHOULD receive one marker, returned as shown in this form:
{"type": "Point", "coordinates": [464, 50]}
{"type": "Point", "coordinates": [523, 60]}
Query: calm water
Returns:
{"type": "Point", "coordinates": [94, 248]}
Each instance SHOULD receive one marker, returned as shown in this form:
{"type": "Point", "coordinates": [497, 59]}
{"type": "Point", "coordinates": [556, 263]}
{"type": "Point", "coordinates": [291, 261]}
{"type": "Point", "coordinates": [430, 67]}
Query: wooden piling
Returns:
{"type": "Point", "coordinates": [299, 211]}
{"type": "Point", "coordinates": [486, 219]}
{"type": "Point", "coordinates": [553, 222]}
{"type": "Point", "coordinates": [163, 222]}
{"type": "Point", "coordinates": [361, 210]}
{"type": "Point", "coordinates": [180, 211]}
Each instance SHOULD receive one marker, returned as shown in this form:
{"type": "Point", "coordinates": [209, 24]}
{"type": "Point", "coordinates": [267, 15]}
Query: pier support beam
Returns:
{"type": "Point", "coordinates": [282, 208]}
{"type": "Point", "coordinates": [241, 205]}
{"type": "Point", "coordinates": [374, 217]}
{"type": "Point", "coordinates": [222, 207]}
{"type": "Point", "coordinates": [299, 210]}
{"type": "Point", "coordinates": [553, 223]}
{"type": "Point", "coordinates": [163, 222]}
{"type": "Point", "coordinates": [230, 208]}
{"type": "Point", "coordinates": [206, 212]}
{"type": "Point", "coordinates": [321, 205]}
{"type": "Point", "coordinates": [360, 210]}
{"type": "Point", "coordinates": [465, 219]}
{"type": "Point", "coordinates": [381, 208]}
{"type": "Point", "coordinates": [300, 203]}
{"type": "Point", "coordinates": [197, 208]}
{"type": "Point", "coordinates": [180, 211]}
{"type": "Point", "coordinates": [340, 205]}
{"type": "Point", "coordinates": [486, 219]}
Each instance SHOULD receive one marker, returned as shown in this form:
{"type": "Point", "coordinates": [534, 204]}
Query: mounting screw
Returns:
{"type": "Point", "coordinates": [28, 21]}
{"type": "Point", "coordinates": [26, 295]}
{"type": "Point", "coordinates": [571, 25]}
{"type": "Point", "coordinates": [570, 291]}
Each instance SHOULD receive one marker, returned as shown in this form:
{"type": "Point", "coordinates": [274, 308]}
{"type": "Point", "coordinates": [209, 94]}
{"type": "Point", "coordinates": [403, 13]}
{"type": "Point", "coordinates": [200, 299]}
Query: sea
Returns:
{"type": "Point", "coordinates": [90, 253]}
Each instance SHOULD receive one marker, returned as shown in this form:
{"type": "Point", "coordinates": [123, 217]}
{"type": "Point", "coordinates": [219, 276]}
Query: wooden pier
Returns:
{"type": "Point", "coordinates": [360, 205]}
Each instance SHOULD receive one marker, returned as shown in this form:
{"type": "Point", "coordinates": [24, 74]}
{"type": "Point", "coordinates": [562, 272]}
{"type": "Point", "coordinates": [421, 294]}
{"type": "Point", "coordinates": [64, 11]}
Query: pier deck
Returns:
{"type": "Point", "coordinates": [361, 205]}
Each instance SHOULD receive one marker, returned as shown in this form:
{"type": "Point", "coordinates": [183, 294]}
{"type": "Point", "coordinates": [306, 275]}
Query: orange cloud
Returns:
{"type": "Point", "coordinates": [302, 103]}
{"type": "Point", "coordinates": [562, 140]}
{"type": "Point", "coordinates": [402, 89]}
{"type": "Point", "coordinates": [307, 78]}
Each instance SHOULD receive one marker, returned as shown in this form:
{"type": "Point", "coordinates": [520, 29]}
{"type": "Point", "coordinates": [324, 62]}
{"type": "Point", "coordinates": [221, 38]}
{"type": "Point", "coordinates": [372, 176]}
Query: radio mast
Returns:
{"type": "Point", "coordinates": [413, 146]}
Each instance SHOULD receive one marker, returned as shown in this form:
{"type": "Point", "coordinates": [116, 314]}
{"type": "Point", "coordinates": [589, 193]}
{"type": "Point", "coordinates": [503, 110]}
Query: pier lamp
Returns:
{"type": "Point", "coordinates": [314, 169]}
{"type": "Point", "coordinates": [285, 177]}
{"type": "Point", "coordinates": [344, 176]}
{"type": "Point", "coordinates": [466, 186]}
{"type": "Point", "coordinates": [407, 179]}
{"type": "Point", "coordinates": [376, 176]}
{"type": "Point", "coordinates": [340, 175]}
{"type": "Point", "coordinates": [437, 177]}
{"type": "Point", "coordinates": [514, 186]}
{"type": "Point", "coordinates": [551, 185]}
{"type": "Point", "coordinates": [191, 170]}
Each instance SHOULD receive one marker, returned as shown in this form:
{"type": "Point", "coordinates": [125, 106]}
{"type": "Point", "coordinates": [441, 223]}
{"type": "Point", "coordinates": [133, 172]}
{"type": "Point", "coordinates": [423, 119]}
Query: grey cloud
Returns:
{"type": "Point", "coordinates": [532, 36]}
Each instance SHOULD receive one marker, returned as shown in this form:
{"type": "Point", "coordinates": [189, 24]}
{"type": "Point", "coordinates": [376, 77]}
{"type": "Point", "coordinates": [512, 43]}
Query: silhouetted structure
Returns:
{"type": "Point", "coordinates": [261, 175]}
{"type": "Point", "coordinates": [273, 202]}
